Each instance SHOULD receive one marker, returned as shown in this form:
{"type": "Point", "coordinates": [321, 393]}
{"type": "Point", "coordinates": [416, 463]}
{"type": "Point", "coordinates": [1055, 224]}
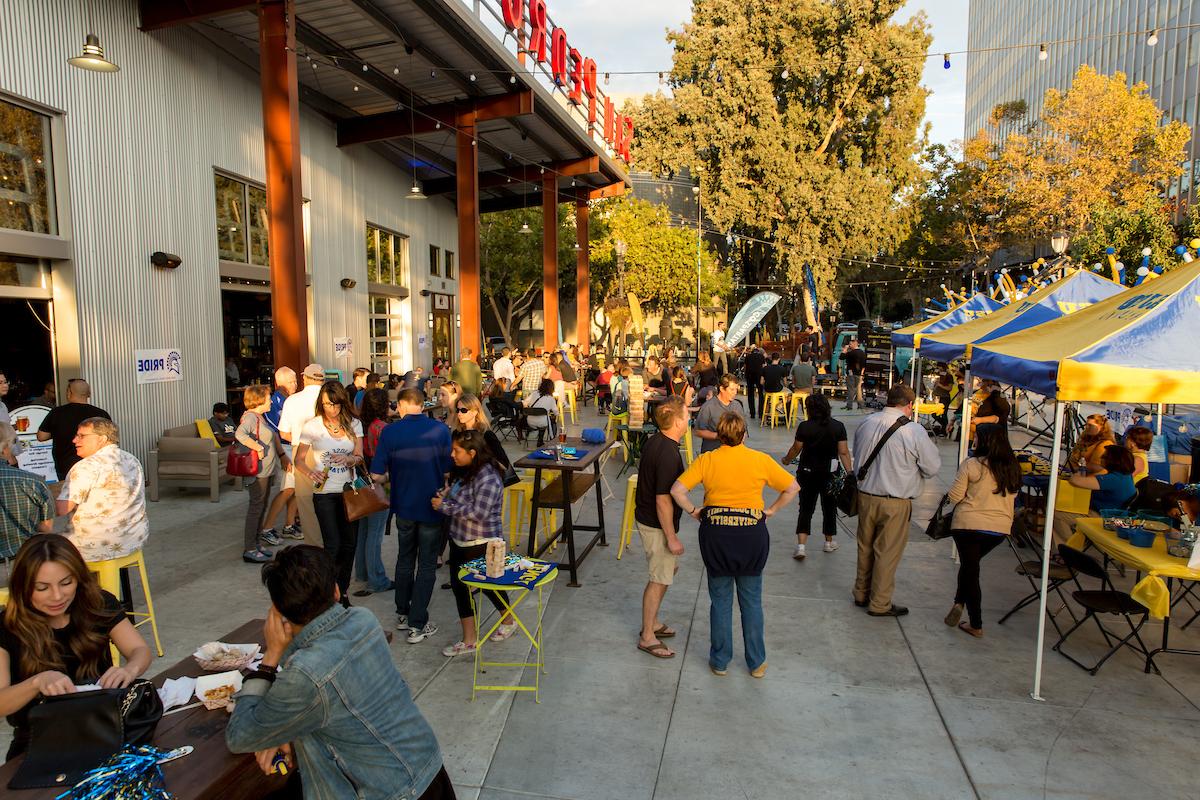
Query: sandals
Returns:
{"type": "Point", "coordinates": [658, 650]}
{"type": "Point", "coordinates": [664, 631]}
{"type": "Point", "coordinates": [966, 628]}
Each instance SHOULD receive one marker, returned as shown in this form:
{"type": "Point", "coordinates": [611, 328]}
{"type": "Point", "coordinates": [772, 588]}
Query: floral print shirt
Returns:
{"type": "Point", "coordinates": [109, 492]}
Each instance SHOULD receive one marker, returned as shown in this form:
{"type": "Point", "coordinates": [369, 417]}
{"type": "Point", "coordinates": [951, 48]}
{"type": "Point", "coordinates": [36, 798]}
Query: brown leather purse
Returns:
{"type": "Point", "coordinates": [364, 497]}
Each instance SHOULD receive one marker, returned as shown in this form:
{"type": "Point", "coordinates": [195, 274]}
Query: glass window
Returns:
{"type": "Point", "coordinates": [449, 264]}
{"type": "Point", "coordinates": [387, 256]}
{"type": "Point", "coordinates": [372, 255]}
{"type": "Point", "coordinates": [435, 254]}
{"type": "Point", "coordinates": [387, 335]}
{"type": "Point", "coordinates": [26, 194]}
{"type": "Point", "coordinates": [231, 218]}
{"type": "Point", "coordinates": [30, 272]}
{"type": "Point", "coordinates": [257, 218]}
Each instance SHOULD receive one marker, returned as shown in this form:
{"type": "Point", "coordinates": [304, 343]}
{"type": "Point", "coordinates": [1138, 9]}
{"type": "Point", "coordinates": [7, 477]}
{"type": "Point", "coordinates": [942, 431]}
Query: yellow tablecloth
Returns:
{"type": "Point", "coordinates": [930, 408]}
{"type": "Point", "coordinates": [1155, 562]}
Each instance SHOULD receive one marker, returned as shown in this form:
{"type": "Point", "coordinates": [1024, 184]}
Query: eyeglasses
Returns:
{"type": "Point", "coordinates": [462, 410]}
{"type": "Point", "coordinates": [333, 404]}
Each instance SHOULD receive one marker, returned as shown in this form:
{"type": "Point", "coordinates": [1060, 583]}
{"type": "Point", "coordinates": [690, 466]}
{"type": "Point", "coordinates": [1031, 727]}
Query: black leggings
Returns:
{"type": "Point", "coordinates": [814, 485]}
{"type": "Point", "coordinates": [339, 534]}
{"type": "Point", "coordinates": [972, 547]}
{"type": "Point", "coordinates": [460, 555]}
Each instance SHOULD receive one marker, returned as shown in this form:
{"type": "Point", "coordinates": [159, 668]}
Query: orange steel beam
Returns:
{"type": "Point", "coordinates": [583, 302]}
{"type": "Point", "coordinates": [467, 178]}
{"type": "Point", "coordinates": [406, 122]}
{"type": "Point", "coordinates": [158, 14]}
{"type": "Point", "coordinates": [285, 221]}
{"type": "Point", "coordinates": [612, 190]}
{"type": "Point", "coordinates": [550, 262]}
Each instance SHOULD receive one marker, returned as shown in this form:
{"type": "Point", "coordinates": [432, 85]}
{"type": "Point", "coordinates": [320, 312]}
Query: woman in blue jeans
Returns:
{"type": "Point", "coordinates": [734, 542]}
{"type": "Point", "coordinates": [329, 449]}
{"type": "Point", "coordinates": [368, 561]}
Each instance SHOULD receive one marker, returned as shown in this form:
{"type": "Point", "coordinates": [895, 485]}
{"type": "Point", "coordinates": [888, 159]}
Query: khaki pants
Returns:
{"type": "Point", "coordinates": [882, 537]}
{"type": "Point", "coordinates": [1063, 528]}
{"type": "Point", "coordinates": [304, 506]}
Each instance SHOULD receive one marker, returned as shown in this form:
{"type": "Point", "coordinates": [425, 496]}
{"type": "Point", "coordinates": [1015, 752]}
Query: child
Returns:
{"type": "Point", "coordinates": [222, 427]}
{"type": "Point", "coordinates": [604, 389]}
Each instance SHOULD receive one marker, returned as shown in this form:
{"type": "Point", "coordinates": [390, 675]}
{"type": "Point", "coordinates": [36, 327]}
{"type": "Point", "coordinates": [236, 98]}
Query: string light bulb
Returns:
{"type": "Point", "coordinates": [1152, 39]}
{"type": "Point", "coordinates": [660, 79]}
{"type": "Point", "coordinates": [395, 70]}
{"type": "Point", "coordinates": [1042, 53]}
{"type": "Point", "coordinates": [356, 87]}
{"type": "Point", "coordinates": [364, 67]}
{"type": "Point", "coordinates": [472, 77]}
{"type": "Point", "coordinates": [607, 75]}
{"type": "Point", "coordinates": [861, 69]}
{"type": "Point", "coordinates": [512, 78]}
{"type": "Point", "coordinates": [945, 61]}
{"type": "Point", "coordinates": [785, 74]}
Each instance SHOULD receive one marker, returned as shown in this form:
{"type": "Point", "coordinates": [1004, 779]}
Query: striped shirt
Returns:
{"type": "Point", "coordinates": [474, 508]}
{"type": "Point", "coordinates": [24, 502]}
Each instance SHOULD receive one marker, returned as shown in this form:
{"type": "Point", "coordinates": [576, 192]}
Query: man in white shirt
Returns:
{"type": "Point", "coordinates": [894, 477]}
{"type": "Point", "coordinates": [298, 409]}
{"type": "Point", "coordinates": [720, 349]}
{"type": "Point", "coordinates": [503, 368]}
{"type": "Point", "coordinates": [105, 495]}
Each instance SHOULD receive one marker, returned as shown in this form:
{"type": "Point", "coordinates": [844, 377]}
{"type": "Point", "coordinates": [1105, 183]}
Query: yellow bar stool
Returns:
{"type": "Point", "coordinates": [613, 421]}
{"type": "Point", "coordinates": [774, 405]}
{"type": "Point", "coordinates": [518, 499]}
{"type": "Point", "coordinates": [109, 575]}
{"type": "Point", "coordinates": [3, 596]}
{"type": "Point", "coordinates": [627, 521]}
{"type": "Point", "coordinates": [796, 409]}
{"type": "Point", "coordinates": [569, 397]}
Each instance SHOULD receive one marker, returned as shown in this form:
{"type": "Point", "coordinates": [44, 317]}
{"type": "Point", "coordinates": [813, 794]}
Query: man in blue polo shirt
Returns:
{"type": "Point", "coordinates": [414, 455]}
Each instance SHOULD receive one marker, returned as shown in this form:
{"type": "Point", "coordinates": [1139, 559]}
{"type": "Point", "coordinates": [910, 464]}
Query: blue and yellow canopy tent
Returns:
{"type": "Point", "coordinates": [978, 305]}
{"type": "Point", "coordinates": [1134, 347]}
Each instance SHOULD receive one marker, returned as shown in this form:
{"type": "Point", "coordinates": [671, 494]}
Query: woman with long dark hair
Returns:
{"type": "Point", "coordinates": [985, 490]}
{"type": "Point", "coordinates": [819, 440]}
{"type": "Point", "coordinates": [334, 439]}
{"type": "Point", "coordinates": [471, 499]}
{"type": "Point", "coordinates": [368, 562]}
{"type": "Point", "coordinates": [56, 632]}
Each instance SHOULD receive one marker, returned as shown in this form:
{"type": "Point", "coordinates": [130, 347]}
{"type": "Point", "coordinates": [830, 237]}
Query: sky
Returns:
{"type": "Point", "coordinates": [631, 35]}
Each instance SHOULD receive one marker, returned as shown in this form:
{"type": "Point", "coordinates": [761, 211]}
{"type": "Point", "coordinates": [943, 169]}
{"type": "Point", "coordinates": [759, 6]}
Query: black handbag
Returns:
{"type": "Point", "coordinates": [846, 484]}
{"type": "Point", "coordinates": [939, 523]}
{"type": "Point", "coordinates": [73, 733]}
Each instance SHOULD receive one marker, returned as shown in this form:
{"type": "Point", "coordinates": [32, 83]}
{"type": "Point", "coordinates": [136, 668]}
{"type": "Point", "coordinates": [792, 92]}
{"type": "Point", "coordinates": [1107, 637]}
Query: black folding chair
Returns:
{"type": "Point", "coordinates": [1032, 570]}
{"type": "Point", "coordinates": [504, 418]}
{"type": "Point", "coordinates": [1105, 600]}
{"type": "Point", "coordinates": [552, 428]}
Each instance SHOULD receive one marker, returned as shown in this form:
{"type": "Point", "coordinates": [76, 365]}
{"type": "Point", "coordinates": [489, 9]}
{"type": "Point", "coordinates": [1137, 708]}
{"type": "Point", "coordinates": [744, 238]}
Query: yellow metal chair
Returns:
{"type": "Point", "coordinates": [688, 451]}
{"type": "Point", "coordinates": [108, 573]}
{"type": "Point", "coordinates": [774, 405]}
{"type": "Point", "coordinates": [627, 521]}
{"type": "Point", "coordinates": [613, 421]}
{"type": "Point", "coordinates": [518, 501]}
{"type": "Point", "coordinates": [3, 596]}
{"type": "Point", "coordinates": [796, 410]}
{"type": "Point", "coordinates": [569, 398]}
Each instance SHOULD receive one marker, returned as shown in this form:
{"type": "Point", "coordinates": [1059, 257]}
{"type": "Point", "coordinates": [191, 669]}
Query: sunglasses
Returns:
{"type": "Point", "coordinates": [462, 410]}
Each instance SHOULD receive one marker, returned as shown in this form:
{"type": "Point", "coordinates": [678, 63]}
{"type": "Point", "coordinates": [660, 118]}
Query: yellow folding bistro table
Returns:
{"type": "Point", "coordinates": [521, 583]}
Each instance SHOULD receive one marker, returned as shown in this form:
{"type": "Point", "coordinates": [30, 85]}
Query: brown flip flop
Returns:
{"type": "Point", "coordinates": [664, 631]}
{"type": "Point", "coordinates": [966, 628]}
{"type": "Point", "coordinates": [658, 650]}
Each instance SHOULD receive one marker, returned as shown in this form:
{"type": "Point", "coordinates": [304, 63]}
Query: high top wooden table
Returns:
{"type": "Point", "coordinates": [568, 487]}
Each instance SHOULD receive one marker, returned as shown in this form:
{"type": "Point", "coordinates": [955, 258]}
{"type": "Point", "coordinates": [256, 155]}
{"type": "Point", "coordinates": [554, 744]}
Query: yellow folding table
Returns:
{"type": "Point", "coordinates": [520, 585]}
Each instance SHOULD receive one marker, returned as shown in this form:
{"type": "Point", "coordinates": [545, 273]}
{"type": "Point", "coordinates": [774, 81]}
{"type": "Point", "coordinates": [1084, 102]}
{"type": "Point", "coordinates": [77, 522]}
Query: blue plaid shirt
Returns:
{"type": "Point", "coordinates": [24, 502]}
{"type": "Point", "coordinates": [474, 508]}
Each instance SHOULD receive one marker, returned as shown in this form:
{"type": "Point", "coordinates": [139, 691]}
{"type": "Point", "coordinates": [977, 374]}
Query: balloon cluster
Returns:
{"type": "Point", "coordinates": [1145, 272]}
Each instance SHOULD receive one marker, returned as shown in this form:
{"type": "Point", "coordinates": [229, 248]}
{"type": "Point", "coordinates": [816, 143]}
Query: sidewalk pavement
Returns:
{"type": "Point", "coordinates": [852, 706]}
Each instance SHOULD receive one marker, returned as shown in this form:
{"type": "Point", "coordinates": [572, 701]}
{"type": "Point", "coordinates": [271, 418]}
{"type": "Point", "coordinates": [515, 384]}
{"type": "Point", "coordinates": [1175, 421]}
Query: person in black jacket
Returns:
{"type": "Point", "coordinates": [755, 361]}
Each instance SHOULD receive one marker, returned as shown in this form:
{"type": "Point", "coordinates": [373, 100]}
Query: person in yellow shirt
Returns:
{"type": "Point", "coordinates": [734, 541]}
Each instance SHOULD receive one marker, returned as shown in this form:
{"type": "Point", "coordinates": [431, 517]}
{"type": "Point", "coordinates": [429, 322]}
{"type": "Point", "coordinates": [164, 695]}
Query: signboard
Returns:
{"type": "Point", "coordinates": [422, 342]}
{"type": "Point", "coordinates": [158, 366]}
{"type": "Point", "coordinates": [32, 455]}
{"type": "Point", "coordinates": [748, 318]}
{"type": "Point", "coordinates": [343, 347]}
{"type": "Point", "coordinates": [441, 302]}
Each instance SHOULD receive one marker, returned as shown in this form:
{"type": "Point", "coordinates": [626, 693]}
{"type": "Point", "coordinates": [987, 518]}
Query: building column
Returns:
{"type": "Point", "coordinates": [467, 189]}
{"type": "Point", "coordinates": [550, 262]}
{"type": "Point", "coordinates": [285, 213]}
{"type": "Point", "coordinates": [583, 297]}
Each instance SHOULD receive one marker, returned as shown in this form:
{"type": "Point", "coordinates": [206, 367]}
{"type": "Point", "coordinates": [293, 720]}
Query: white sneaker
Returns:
{"type": "Point", "coordinates": [800, 553]}
{"type": "Point", "coordinates": [459, 649]}
{"type": "Point", "coordinates": [830, 547]}
{"type": "Point", "coordinates": [401, 622]}
{"type": "Point", "coordinates": [415, 635]}
{"type": "Point", "coordinates": [503, 632]}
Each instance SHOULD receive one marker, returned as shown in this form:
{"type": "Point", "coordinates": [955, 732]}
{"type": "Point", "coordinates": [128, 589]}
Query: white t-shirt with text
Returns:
{"type": "Point", "coordinates": [324, 445]}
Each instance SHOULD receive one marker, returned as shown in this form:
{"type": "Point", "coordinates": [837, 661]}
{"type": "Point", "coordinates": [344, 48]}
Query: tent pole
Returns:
{"type": "Point", "coordinates": [1047, 540]}
{"type": "Point", "coordinates": [1160, 419]}
{"type": "Point", "coordinates": [964, 436]}
{"type": "Point", "coordinates": [917, 392]}
{"type": "Point", "coordinates": [891, 365]}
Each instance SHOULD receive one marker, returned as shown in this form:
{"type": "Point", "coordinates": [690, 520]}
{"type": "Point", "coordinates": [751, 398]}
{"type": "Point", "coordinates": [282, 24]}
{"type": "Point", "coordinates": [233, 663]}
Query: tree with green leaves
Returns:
{"type": "Point", "coordinates": [801, 120]}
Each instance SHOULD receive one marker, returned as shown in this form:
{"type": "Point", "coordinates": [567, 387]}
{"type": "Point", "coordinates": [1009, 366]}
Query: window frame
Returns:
{"type": "Point", "coordinates": [448, 265]}
{"type": "Point", "coordinates": [435, 258]}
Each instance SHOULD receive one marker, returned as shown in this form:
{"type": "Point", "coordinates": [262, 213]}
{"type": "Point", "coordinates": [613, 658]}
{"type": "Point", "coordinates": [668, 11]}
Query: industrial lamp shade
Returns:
{"type": "Point", "coordinates": [1059, 241]}
{"type": "Point", "coordinates": [620, 247]}
{"type": "Point", "coordinates": [92, 57]}
{"type": "Point", "coordinates": [525, 228]}
{"type": "Point", "coordinates": [415, 193]}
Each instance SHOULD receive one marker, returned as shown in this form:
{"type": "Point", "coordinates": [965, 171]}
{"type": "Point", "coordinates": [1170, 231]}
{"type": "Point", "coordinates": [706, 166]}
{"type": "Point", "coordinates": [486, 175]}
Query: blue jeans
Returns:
{"type": "Point", "coordinates": [720, 619]}
{"type": "Point", "coordinates": [419, 544]}
{"type": "Point", "coordinates": [368, 563]}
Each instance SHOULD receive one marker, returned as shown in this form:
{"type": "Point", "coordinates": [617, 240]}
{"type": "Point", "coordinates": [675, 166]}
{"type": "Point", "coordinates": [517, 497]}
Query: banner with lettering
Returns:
{"type": "Point", "coordinates": [748, 318]}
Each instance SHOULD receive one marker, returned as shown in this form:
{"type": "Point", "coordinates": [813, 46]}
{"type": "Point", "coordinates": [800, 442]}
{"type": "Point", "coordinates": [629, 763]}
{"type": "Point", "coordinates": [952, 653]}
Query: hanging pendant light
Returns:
{"type": "Point", "coordinates": [415, 192]}
{"type": "Point", "coordinates": [525, 228]}
{"type": "Point", "coordinates": [92, 58]}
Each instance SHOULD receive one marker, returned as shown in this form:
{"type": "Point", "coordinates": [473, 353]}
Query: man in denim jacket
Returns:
{"type": "Point", "coordinates": [328, 696]}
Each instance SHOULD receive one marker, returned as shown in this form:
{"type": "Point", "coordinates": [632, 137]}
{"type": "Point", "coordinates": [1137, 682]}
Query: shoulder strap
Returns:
{"type": "Point", "coordinates": [862, 471]}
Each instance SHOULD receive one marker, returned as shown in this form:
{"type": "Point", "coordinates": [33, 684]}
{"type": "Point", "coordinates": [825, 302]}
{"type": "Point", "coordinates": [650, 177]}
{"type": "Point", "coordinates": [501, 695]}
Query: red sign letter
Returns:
{"type": "Point", "coordinates": [627, 139]}
{"type": "Point", "coordinates": [576, 93]}
{"type": "Point", "coordinates": [589, 88]}
{"type": "Point", "coordinates": [537, 29]}
{"type": "Point", "coordinates": [558, 56]}
{"type": "Point", "coordinates": [609, 122]}
{"type": "Point", "coordinates": [512, 13]}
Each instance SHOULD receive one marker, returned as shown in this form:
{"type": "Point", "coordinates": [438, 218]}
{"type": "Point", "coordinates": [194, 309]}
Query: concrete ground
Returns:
{"type": "Point", "coordinates": [852, 706]}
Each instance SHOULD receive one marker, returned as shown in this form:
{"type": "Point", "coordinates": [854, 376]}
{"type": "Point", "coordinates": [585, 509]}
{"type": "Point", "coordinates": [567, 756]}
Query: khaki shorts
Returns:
{"type": "Point", "coordinates": [659, 558]}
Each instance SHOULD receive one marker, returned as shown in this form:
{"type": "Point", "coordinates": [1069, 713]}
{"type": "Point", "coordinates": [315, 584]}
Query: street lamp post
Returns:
{"type": "Point", "coordinates": [699, 201]}
{"type": "Point", "coordinates": [1059, 241]}
{"type": "Point", "coordinates": [619, 248]}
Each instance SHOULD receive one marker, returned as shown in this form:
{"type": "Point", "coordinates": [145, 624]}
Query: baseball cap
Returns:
{"type": "Point", "coordinates": [314, 371]}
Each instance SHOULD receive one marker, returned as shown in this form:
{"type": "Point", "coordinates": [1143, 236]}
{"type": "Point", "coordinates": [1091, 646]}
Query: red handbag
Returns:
{"type": "Point", "coordinates": [243, 461]}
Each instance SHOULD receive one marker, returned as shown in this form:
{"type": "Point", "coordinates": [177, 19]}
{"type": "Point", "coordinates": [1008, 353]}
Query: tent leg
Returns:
{"type": "Point", "coordinates": [914, 383]}
{"type": "Point", "coordinates": [891, 365]}
{"type": "Point", "coordinates": [1047, 541]}
{"type": "Point", "coordinates": [1161, 409]}
{"type": "Point", "coordinates": [964, 436]}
